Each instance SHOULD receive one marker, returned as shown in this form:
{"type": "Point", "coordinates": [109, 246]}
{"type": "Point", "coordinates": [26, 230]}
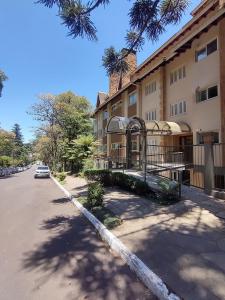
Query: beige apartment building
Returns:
{"type": "Point", "coordinates": [182, 83]}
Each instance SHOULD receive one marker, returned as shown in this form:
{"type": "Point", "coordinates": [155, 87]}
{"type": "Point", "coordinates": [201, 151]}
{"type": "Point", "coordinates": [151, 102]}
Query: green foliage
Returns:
{"type": "Point", "coordinates": [6, 161]}
{"type": "Point", "coordinates": [11, 147]}
{"type": "Point", "coordinates": [18, 134]}
{"type": "Point", "coordinates": [63, 139]}
{"type": "Point", "coordinates": [61, 176]}
{"type": "Point", "coordinates": [106, 216]}
{"type": "Point", "coordinates": [6, 142]}
{"type": "Point", "coordinates": [84, 201]}
{"type": "Point", "coordinates": [100, 175]}
{"type": "Point", "coordinates": [88, 164]}
{"type": "Point", "coordinates": [131, 183]}
{"type": "Point", "coordinates": [95, 194]}
{"type": "Point", "coordinates": [112, 222]}
{"type": "Point", "coordinates": [168, 195]}
{"type": "Point", "coordinates": [147, 20]}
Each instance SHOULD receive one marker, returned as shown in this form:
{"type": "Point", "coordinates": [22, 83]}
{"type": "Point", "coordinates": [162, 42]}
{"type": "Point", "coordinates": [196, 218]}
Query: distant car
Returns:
{"type": "Point", "coordinates": [42, 171]}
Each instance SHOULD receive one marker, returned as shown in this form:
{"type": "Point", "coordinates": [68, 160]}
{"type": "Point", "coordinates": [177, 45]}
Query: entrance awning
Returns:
{"type": "Point", "coordinates": [117, 125]}
{"type": "Point", "coordinates": [120, 125]}
{"type": "Point", "coordinates": [167, 128]}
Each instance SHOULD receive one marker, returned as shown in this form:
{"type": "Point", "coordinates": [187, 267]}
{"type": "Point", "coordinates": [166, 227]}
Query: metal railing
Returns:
{"type": "Point", "coordinates": [202, 165]}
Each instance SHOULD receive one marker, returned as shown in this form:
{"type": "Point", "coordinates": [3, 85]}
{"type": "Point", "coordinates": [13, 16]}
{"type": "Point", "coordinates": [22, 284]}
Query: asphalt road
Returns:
{"type": "Point", "coordinates": [48, 250]}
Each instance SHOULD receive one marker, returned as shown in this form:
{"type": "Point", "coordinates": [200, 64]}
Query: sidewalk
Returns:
{"type": "Point", "coordinates": [184, 243]}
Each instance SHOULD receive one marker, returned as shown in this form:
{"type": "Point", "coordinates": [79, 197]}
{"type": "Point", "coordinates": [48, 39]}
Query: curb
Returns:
{"type": "Point", "coordinates": [148, 277]}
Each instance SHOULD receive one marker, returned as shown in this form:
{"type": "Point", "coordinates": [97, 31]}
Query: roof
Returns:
{"type": "Point", "coordinates": [200, 12]}
{"type": "Point", "coordinates": [101, 98]}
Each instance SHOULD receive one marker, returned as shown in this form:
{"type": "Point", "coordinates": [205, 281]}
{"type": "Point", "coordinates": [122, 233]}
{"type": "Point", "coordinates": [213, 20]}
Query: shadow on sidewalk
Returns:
{"type": "Point", "coordinates": [75, 251]}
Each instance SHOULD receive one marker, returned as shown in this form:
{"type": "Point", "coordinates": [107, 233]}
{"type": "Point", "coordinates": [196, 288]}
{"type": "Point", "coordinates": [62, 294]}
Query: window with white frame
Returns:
{"type": "Point", "coordinates": [207, 93]}
{"type": "Point", "coordinates": [150, 88]}
{"type": "Point", "coordinates": [178, 108]}
{"type": "Point", "coordinates": [177, 74]}
{"type": "Point", "coordinates": [206, 51]}
{"type": "Point", "coordinates": [132, 98]}
{"type": "Point", "coordinates": [151, 115]}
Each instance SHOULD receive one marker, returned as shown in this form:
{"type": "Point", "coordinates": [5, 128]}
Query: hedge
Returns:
{"type": "Point", "coordinates": [126, 182]}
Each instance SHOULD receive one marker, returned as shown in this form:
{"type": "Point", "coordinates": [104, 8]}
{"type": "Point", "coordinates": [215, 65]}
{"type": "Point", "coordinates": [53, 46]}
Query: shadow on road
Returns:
{"type": "Point", "coordinates": [74, 251]}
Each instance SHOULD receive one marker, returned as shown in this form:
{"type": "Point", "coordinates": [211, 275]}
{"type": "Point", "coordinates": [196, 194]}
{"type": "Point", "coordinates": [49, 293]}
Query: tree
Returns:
{"type": "Point", "coordinates": [6, 142]}
{"type": "Point", "coordinates": [62, 119]}
{"type": "Point", "coordinates": [147, 20]}
{"type": "Point", "coordinates": [18, 134]}
{"type": "Point", "coordinates": [3, 78]}
{"type": "Point", "coordinates": [78, 150]}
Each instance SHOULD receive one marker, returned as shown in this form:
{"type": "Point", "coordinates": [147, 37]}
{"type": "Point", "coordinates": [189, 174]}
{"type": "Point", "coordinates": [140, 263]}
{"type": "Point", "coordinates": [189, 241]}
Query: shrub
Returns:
{"type": "Point", "coordinates": [100, 175]}
{"type": "Point", "coordinates": [88, 164]}
{"type": "Point", "coordinates": [106, 216]}
{"type": "Point", "coordinates": [112, 222]}
{"type": "Point", "coordinates": [95, 194]}
{"type": "Point", "coordinates": [6, 161]}
{"type": "Point", "coordinates": [84, 201]}
{"type": "Point", "coordinates": [61, 176]}
{"type": "Point", "coordinates": [130, 183]}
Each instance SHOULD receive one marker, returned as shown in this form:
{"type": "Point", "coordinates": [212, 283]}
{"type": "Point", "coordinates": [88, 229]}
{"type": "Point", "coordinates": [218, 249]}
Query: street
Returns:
{"type": "Point", "coordinates": [49, 251]}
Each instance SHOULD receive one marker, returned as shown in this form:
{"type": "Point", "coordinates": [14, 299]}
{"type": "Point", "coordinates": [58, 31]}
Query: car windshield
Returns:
{"type": "Point", "coordinates": [42, 168]}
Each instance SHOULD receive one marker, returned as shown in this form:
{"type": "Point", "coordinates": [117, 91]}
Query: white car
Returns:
{"type": "Point", "coordinates": [42, 171]}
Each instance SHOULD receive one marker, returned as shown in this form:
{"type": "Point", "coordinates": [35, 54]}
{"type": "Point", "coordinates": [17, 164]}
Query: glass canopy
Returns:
{"type": "Point", "coordinates": [120, 125]}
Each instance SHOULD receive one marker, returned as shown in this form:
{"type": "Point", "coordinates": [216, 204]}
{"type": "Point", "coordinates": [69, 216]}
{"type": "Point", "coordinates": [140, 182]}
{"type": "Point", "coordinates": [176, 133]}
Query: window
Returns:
{"type": "Point", "coordinates": [105, 115]}
{"type": "Point", "coordinates": [178, 108]}
{"type": "Point", "coordinates": [132, 99]}
{"type": "Point", "coordinates": [150, 88]}
{"type": "Point", "coordinates": [212, 136]}
{"type": "Point", "coordinates": [177, 74]}
{"type": "Point", "coordinates": [201, 54]}
{"type": "Point", "coordinates": [116, 105]}
{"type": "Point", "coordinates": [116, 146]}
{"type": "Point", "coordinates": [134, 146]}
{"type": "Point", "coordinates": [212, 47]}
{"type": "Point", "coordinates": [151, 115]}
{"type": "Point", "coordinates": [207, 50]}
{"type": "Point", "coordinates": [175, 109]}
{"type": "Point", "coordinates": [208, 93]}
{"type": "Point", "coordinates": [212, 92]}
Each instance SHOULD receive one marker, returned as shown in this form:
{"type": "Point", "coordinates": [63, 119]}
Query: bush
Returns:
{"type": "Point", "coordinates": [88, 164]}
{"type": "Point", "coordinates": [6, 161]}
{"type": "Point", "coordinates": [130, 183]}
{"type": "Point", "coordinates": [106, 216]}
{"type": "Point", "coordinates": [61, 176]}
{"type": "Point", "coordinates": [100, 175]}
{"type": "Point", "coordinates": [112, 222]}
{"type": "Point", "coordinates": [84, 201]}
{"type": "Point", "coordinates": [95, 194]}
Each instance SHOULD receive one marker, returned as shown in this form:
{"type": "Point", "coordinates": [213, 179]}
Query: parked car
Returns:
{"type": "Point", "coordinates": [42, 171]}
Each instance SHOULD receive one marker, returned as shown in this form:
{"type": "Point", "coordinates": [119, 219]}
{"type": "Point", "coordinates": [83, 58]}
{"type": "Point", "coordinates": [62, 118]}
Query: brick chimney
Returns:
{"type": "Point", "coordinates": [115, 81]}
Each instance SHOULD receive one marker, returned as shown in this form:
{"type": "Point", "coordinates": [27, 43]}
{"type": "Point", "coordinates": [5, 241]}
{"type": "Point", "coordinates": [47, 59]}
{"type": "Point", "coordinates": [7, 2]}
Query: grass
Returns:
{"type": "Point", "coordinates": [103, 214]}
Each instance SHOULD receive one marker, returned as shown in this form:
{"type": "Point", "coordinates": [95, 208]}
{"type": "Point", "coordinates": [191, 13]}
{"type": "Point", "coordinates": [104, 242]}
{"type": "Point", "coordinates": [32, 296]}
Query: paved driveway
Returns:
{"type": "Point", "coordinates": [49, 251]}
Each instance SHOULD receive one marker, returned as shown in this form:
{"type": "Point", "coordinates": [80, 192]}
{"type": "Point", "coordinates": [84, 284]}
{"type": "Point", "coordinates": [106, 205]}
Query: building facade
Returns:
{"type": "Point", "coordinates": [182, 82]}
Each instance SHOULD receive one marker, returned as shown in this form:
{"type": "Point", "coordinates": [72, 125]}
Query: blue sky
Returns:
{"type": "Point", "coordinates": [39, 57]}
